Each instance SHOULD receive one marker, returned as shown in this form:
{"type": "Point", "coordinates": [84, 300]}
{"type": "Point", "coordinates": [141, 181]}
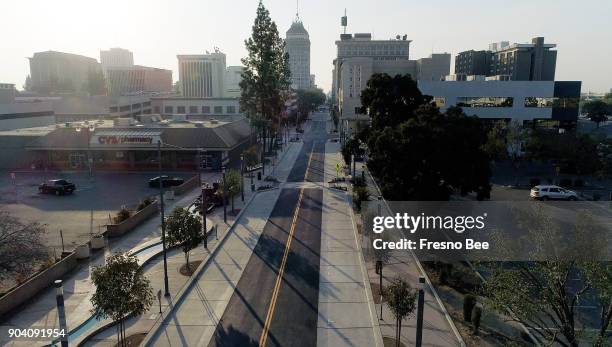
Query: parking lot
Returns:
{"type": "Point", "coordinates": [78, 215]}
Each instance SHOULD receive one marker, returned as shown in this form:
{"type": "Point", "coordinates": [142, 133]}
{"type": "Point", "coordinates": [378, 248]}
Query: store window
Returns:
{"type": "Point", "coordinates": [218, 109]}
{"type": "Point", "coordinates": [206, 109]}
{"type": "Point", "coordinates": [169, 109]}
{"type": "Point", "coordinates": [231, 109]}
{"type": "Point", "coordinates": [180, 110]}
{"type": "Point", "coordinates": [485, 101]}
{"type": "Point", "coordinates": [193, 109]}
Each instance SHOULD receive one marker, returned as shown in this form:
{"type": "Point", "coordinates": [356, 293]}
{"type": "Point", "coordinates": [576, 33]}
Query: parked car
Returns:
{"type": "Point", "coordinates": [550, 192]}
{"type": "Point", "coordinates": [57, 187]}
{"type": "Point", "coordinates": [166, 181]}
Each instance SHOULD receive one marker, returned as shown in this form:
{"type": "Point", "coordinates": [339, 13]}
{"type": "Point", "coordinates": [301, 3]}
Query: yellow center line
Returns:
{"type": "Point", "coordinates": [264, 333]}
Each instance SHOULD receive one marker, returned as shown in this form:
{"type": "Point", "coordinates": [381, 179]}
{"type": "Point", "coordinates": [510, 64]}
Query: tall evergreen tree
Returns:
{"type": "Point", "coordinates": [265, 79]}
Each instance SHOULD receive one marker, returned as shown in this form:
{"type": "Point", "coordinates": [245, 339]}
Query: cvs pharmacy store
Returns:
{"type": "Point", "coordinates": [185, 145]}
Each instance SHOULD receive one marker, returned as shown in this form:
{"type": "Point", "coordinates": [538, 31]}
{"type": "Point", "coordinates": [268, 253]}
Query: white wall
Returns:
{"type": "Point", "coordinates": [518, 90]}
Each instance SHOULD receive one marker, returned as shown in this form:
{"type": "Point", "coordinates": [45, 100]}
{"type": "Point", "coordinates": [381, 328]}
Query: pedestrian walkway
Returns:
{"type": "Point", "coordinates": [346, 307]}
{"type": "Point", "coordinates": [438, 328]}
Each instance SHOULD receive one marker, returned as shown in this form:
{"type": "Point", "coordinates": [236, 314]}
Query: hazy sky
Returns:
{"type": "Point", "coordinates": [157, 30]}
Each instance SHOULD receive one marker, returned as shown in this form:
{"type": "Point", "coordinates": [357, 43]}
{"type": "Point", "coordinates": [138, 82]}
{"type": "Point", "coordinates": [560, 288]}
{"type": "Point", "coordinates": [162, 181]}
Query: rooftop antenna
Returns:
{"type": "Point", "coordinates": [344, 21]}
{"type": "Point", "coordinates": [297, 10]}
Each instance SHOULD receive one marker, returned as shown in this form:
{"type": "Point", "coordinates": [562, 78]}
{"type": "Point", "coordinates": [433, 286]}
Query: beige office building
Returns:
{"type": "Point", "coordinates": [202, 75]}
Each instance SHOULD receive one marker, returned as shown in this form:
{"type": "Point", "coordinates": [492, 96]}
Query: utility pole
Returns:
{"type": "Point", "coordinates": [163, 220]}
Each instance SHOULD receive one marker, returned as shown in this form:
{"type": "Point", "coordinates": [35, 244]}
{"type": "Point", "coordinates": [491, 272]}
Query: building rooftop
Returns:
{"type": "Point", "coordinates": [209, 132]}
{"type": "Point", "coordinates": [297, 27]}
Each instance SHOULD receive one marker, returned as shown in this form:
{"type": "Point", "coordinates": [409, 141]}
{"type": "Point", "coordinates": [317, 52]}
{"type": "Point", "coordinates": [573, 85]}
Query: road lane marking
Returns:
{"type": "Point", "coordinates": [264, 333]}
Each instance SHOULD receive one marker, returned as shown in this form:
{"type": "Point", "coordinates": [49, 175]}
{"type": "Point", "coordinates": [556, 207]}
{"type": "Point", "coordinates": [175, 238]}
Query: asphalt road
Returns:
{"type": "Point", "coordinates": [276, 300]}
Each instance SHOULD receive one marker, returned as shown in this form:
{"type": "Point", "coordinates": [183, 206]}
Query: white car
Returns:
{"type": "Point", "coordinates": [550, 192]}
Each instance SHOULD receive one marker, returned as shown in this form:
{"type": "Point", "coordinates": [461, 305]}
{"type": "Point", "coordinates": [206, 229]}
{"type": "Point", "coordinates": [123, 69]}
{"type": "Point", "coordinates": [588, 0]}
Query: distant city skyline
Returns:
{"type": "Point", "coordinates": [157, 31]}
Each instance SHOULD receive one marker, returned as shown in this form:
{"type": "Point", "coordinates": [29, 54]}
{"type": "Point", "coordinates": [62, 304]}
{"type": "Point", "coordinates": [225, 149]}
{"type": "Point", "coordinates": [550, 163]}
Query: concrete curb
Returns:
{"type": "Point", "coordinates": [366, 281]}
{"type": "Point", "coordinates": [178, 298]}
{"type": "Point", "coordinates": [424, 274]}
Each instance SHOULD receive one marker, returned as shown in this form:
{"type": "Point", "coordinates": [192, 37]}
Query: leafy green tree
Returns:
{"type": "Point", "coordinates": [391, 100]}
{"type": "Point", "coordinates": [251, 156]}
{"type": "Point", "coordinates": [496, 146]}
{"type": "Point", "coordinates": [122, 290]}
{"type": "Point", "coordinates": [401, 300]}
{"type": "Point", "coordinates": [574, 153]}
{"type": "Point", "coordinates": [184, 229]}
{"type": "Point", "coordinates": [231, 187]}
{"type": "Point", "coordinates": [351, 147]}
{"type": "Point", "coordinates": [597, 111]}
{"type": "Point", "coordinates": [266, 76]}
{"type": "Point", "coordinates": [608, 98]}
{"type": "Point", "coordinates": [308, 100]}
{"type": "Point", "coordinates": [430, 156]}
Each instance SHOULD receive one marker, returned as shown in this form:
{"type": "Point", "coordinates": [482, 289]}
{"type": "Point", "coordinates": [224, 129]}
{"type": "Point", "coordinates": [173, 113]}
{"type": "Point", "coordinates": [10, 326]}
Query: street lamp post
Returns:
{"type": "Point", "coordinates": [242, 176]}
{"type": "Point", "coordinates": [61, 312]}
{"type": "Point", "coordinates": [224, 204]}
{"type": "Point", "coordinates": [204, 206]}
{"type": "Point", "coordinates": [163, 221]}
{"type": "Point", "coordinates": [419, 330]}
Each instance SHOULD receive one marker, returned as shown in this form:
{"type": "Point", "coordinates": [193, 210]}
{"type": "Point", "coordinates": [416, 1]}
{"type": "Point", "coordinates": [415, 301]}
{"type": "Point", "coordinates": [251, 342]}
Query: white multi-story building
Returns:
{"type": "Point", "coordinates": [202, 75]}
{"type": "Point", "coordinates": [509, 100]}
{"type": "Point", "coordinates": [298, 47]}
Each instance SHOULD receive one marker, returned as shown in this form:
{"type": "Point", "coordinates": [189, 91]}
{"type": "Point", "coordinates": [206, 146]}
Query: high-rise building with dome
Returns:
{"type": "Point", "coordinates": [298, 47]}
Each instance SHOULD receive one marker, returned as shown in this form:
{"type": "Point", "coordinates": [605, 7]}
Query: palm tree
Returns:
{"type": "Point", "coordinates": [401, 300]}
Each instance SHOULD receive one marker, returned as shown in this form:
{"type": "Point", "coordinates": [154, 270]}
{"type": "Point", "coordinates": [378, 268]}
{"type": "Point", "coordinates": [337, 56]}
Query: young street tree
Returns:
{"type": "Point", "coordinates": [21, 246]}
{"type": "Point", "coordinates": [185, 230]}
{"type": "Point", "coordinates": [122, 290]}
{"type": "Point", "coordinates": [265, 79]}
{"type": "Point", "coordinates": [232, 185]}
{"type": "Point", "coordinates": [401, 300]}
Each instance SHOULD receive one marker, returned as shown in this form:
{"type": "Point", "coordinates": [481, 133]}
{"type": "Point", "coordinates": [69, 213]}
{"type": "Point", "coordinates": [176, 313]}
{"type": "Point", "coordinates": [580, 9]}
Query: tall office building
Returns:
{"type": "Point", "coordinates": [116, 57]}
{"type": "Point", "coordinates": [298, 47]}
{"type": "Point", "coordinates": [233, 76]}
{"type": "Point", "coordinates": [122, 80]}
{"type": "Point", "coordinates": [535, 61]}
{"type": "Point", "coordinates": [53, 71]}
{"type": "Point", "coordinates": [473, 63]}
{"type": "Point", "coordinates": [202, 75]}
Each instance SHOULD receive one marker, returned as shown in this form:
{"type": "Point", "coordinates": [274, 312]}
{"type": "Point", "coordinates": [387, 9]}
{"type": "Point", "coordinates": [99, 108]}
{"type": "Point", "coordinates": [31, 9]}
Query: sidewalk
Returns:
{"type": "Point", "coordinates": [437, 329]}
{"type": "Point", "coordinates": [195, 312]}
{"type": "Point", "coordinates": [154, 271]}
{"type": "Point", "coordinates": [346, 307]}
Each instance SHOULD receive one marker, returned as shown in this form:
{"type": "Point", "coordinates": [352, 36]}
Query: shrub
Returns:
{"type": "Point", "coordinates": [360, 194]}
{"type": "Point", "coordinates": [359, 181]}
{"type": "Point", "coordinates": [144, 203]}
{"type": "Point", "coordinates": [578, 183]}
{"type": "Point", "coordinates": [565, 182]}
{"type": "Point", "coordinates": [469, 301]}
{"type": "Point", "coordinates": [122, 215]}
{"type": "Point", "coordinates": [476, 315]}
